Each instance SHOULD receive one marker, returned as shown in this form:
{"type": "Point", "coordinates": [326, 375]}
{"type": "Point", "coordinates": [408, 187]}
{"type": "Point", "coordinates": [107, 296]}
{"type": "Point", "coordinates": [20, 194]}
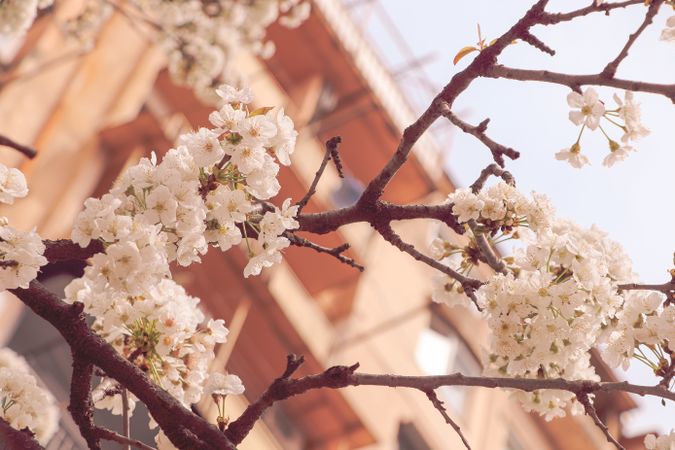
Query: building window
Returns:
{"type": "Point", "coordinates": [441, 351]}
{"type": "Point", "coordinates": [410, 439]}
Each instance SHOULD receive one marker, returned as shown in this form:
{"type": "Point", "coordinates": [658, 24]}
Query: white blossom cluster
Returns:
{"type": "Point", "coordinates": [545, 319]}
{"type": "Point", "coordinates": [653, 442]}
{"type": "Point", "coordinates": [643, 331]}
{"type": "Point", "coordinates": [203, 37]}
{"type": "Point", "coordinates": [206, 191]}
{"type": "Point", "coordinates": [20, 252]}
{"type": "Point", "coordinates": [23, 402]}
{"type": "Point", "coordinates": [500, 213]}
{"type": "Point", "coordinates": [588, 112]}
{"type": "Point", "coordinates": [21, 256]}
{"type": "Point", "coordinates": [558, 298]}
{"type": "Point", "coordinates": [16, 16]}
{"type": "Point", "coordinates": [501, 206]}
{"type": "Point", "coordinates": [202, 192]}
{"type": "Point", "coordinates": [161, 331]}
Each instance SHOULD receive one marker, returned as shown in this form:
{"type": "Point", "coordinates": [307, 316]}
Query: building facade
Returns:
{"type": "Point", "coordinates": [93, 114]}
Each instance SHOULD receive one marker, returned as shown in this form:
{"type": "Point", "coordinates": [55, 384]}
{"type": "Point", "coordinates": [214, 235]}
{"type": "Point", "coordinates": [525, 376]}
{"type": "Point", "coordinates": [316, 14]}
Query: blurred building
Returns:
{"type": "Point", "coordinates": [93, 114]}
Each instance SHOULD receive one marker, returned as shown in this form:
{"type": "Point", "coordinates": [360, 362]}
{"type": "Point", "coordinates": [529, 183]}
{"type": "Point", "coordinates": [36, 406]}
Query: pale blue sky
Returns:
{"type": "Point", "coordinates": [633, 201]}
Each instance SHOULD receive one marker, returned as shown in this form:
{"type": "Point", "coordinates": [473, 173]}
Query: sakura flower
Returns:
{"type": "Point", "coordinates": [466, 205]}
{"type": "Point", "coordinates": [283, 142]}
{"type": "Point", "coordinates": [22, 253]}
{"type": "Point", "coordinates": [232, 95]}
{"type": "Point", "coordinates": [590, 108]}
{"type": "Point", "coordinates": [629, 111]}
{"type": "Point", "coordinates": [12, 183]}
{"type": "Point", "coordinates": [204, 147]}
{"type": "Point", "coordinates": [24, 403]}
{"type": "Point", "coordinates": [220, 384]}
{"type": "Point", "coordinates": [617, 153]}
{"type": "Point", "coordinates": [666, 442]}
{"type": "Point", "coordinates": [573, 156]}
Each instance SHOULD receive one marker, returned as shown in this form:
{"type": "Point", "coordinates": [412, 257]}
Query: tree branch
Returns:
{"type": "Point", "coordinates": [108, 435]}
{"type": "Point", "coordinates": [182, 427]}
{"type": "Point", "coordinates": [498, 150]}
{"type": "Point", "coordinates": [612, 66]}
{"type": "Point", "coordinates": [81, 407]}
{"type": "Point", "coordinates": [17, 439]}
{"type": "Point", "coordinates": [575, 81]}
{"type": "Point", "coordinates": [590, 411]}
{"type": "Point", "coordinates": [29, 152]}
{"type": "Point", "coordinates": [438, 404]}
{"type": "Point", "coordinates": [335, 252]}
{"type": "Point", "coordinates": [343, 376]}
{"type": "Point", "coordinates": [331, 153]}
{"type": "Point", "coordinates": [66, 250]}
{"type": "Point", "coordinates": [554, 18]}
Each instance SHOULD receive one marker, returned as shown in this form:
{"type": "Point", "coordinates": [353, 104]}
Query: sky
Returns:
{"type": "Point", "coordinates": [633, 201]}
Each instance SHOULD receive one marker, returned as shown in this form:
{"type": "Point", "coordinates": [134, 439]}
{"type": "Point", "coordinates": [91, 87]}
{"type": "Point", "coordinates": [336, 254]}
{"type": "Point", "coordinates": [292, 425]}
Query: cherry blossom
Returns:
{"type": "Point", "coordinates": [24, 403]}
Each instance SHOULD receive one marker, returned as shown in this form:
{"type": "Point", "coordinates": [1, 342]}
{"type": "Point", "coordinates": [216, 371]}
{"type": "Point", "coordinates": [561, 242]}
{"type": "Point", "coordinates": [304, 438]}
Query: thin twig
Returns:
{"type": "Point", "coordinates": [335, 252]}
{"type": "Point", "coordinates": [438, 404]}
{"type": "Point", "coordinates": [492, 170]}
{"type": "Point", "coordinates": [591, 412]}
{"type": "Point", "coordinates": [109, 435]}
{"type": "Point", "coordinates": [498, 150]}
{"type": "Point", "coordinates": [468, 284]}
{"type": "Point", "coordinates": [29, 152]}
{"type": "Point", "coordinates": [486, 250]}
{"type": "Point", "coordinates": [537, 43]}
{"type": "Point", "coordinates": [331, 153]}
{"type": "Point", "coordinates": [611, 67]}
{"type": "Point", "coordinates": [554, 18]}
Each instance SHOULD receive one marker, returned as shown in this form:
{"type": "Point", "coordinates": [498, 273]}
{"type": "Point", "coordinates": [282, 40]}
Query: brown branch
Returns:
{"type": "Point", "coordinates": [29, 152]}
{"type": "Point", "coordinates": [667, 288]}
{"type": "Point", "coordinates": [283, 388]}
{"type": "Point", "coordinates": [108, 435]}
{"type": "Point", "coordinates": [335, 252]}
{"type": "Point", "coordinates": [537, 43]}
{"type": "Point", "coordinates": [81, 407]}
{"type": "Point", "coordinates": [489, 255]}
{"type": "Point", "coordinates": [326, 222]}
{"type": "Point", "coordinates": [182, 427]}
{"type": "Point", "coordinates": [459, 83]}
{"type": "Point", "coordinates": [14, 439]}
{"type": "Point", "coordinates": [554, 18]}
{"type": "Point", "coordinates": [343, 376]}
{"type": "Point", "coordinates": [575, 81]}
{"type": "Point", "coordinates": [491, 170]}
{"type": "Point", "coordinates": [590, 411]}
{"type": "Point", "coordinates": [612, 66]}
{"type": "Point", "coordinates": [498, 150]}
{"type": "Point", "coordinates": [438, 404]}
{"type": "Point", "coordinates": [331, 153]}
{"type": "Point", "coordinates": [8, 263]}
{"type": "Point", "coordinates": [66, 250]}
{"type": "Point", "coordinates": [468, 284]}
